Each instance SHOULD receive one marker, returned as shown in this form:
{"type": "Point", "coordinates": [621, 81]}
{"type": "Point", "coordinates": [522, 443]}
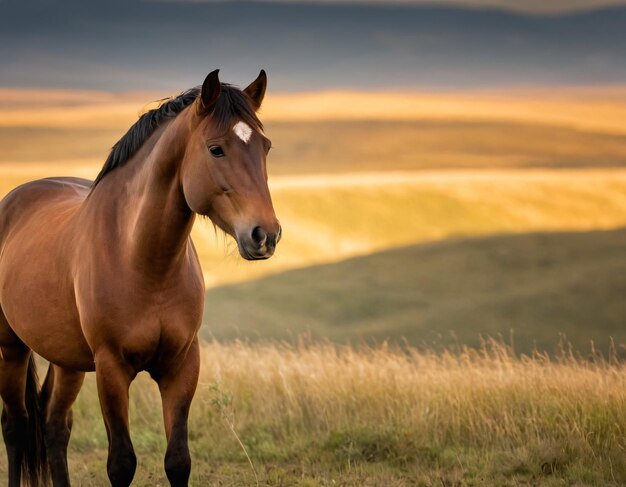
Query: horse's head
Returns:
{"type": "Point", "coordinates": [224, 174]}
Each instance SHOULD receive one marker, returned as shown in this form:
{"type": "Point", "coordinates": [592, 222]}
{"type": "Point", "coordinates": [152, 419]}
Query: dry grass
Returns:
{"type": "Point", "coordinates": [474, 397]}
{"type": "Point", "coordinates": [315, 412]}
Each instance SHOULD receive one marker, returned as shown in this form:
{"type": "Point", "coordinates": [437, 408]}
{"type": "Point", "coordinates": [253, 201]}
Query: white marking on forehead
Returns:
{"type": "Point", "coordinates": [243, 131]}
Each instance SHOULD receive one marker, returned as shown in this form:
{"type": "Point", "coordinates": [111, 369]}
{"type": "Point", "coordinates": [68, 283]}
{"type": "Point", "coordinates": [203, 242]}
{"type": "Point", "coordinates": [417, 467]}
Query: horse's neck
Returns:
{"type": "Point", "coordinates": [144, 198]}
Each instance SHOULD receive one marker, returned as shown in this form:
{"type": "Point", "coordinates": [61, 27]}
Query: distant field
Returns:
{"type": "Point", "coordinates": [327, 219]}
{"type": "Point", "coordinates": [338, 132]}
{"type": "Point", "coordinates": [307, 147]}
{"type": "Point", "coordinates": [590, 108]}
{"type": "Point", "coordinates": [321, 415]}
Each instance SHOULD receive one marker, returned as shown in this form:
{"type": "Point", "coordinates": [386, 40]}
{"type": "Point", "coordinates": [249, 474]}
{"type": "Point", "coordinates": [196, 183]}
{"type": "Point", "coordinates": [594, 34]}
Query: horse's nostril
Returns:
{"type": "Point", "coordinates": [259, 236]}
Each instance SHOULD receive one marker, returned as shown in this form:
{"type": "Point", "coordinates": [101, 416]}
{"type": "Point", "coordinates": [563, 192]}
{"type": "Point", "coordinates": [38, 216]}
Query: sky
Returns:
{"type": "Point", "coordinates": [129, 45]}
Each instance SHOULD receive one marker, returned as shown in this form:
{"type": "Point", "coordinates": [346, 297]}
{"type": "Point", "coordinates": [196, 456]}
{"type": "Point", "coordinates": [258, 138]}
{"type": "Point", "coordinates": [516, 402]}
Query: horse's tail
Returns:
{"type": "Point", "coordinates": [34, 461]}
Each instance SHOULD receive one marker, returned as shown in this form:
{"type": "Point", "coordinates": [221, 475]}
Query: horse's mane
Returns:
{"type": "Point", "coordinates": [231, 103]}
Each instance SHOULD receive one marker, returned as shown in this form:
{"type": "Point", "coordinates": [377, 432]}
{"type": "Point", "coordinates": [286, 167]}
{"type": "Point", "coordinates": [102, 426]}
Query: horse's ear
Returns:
{"type": "Point", "coordinates": [211, 89]}
{"type": "Point", "coordinates": [256, 89]}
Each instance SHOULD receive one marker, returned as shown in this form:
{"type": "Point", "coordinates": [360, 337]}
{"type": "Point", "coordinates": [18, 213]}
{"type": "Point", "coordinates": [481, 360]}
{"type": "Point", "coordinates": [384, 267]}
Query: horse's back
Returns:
{"type": "Point", "coordinates": [40, 195]}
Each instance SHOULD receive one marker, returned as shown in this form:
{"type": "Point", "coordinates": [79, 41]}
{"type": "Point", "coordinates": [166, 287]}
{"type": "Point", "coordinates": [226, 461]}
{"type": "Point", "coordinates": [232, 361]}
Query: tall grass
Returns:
{"type": "Point", "coordinates": [319, 411]}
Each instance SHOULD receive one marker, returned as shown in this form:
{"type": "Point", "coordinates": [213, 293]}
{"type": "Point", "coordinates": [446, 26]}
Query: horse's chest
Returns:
{"type": "Point", "coordinates": [143, 326]}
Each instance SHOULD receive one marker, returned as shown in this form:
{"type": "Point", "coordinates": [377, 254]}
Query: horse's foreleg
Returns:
{"type": "Point", "coordinates": [177, 389]}
{"type": "Point", "coordinates": [58, 394]}
{"type": "Point", "coordinates": [13, 369]}
{"type": "Point", "coordinates": [114, 378]}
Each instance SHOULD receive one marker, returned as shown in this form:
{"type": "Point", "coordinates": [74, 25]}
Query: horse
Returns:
{"type": "Point", "coordinates": [103, 276]}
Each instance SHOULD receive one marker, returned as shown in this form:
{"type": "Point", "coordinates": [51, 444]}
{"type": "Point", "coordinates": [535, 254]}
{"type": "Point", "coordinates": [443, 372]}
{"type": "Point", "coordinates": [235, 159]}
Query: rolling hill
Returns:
{"type": "Point", "coordinates": [538, 285]}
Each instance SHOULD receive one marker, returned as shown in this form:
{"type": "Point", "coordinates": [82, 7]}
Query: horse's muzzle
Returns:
{"type": "Point", "coordinates": [259, 244]}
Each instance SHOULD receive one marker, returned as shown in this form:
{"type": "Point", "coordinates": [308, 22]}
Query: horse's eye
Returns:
{"type": "Point", "coordinates": [216, 151]}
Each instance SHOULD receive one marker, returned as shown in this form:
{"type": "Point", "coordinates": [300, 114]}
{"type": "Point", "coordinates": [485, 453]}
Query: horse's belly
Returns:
{"type": "Point", "coordinates": [49, 327]}
{"type": "Point", "coordinates": [37, 299]}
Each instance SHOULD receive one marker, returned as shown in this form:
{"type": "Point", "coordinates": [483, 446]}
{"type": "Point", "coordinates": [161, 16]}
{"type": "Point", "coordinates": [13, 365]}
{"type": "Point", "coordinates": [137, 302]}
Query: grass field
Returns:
{"type": "Point", "coordinates": [319, 414]}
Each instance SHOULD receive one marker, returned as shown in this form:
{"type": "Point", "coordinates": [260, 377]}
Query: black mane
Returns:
{"type": "Point", "coordinates": [231, 103]}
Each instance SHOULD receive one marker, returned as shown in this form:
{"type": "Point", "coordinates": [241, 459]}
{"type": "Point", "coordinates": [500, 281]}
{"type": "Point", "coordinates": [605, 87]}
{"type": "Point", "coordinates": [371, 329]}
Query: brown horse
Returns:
{"type": "Point", "coordinates": [104, 276]}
